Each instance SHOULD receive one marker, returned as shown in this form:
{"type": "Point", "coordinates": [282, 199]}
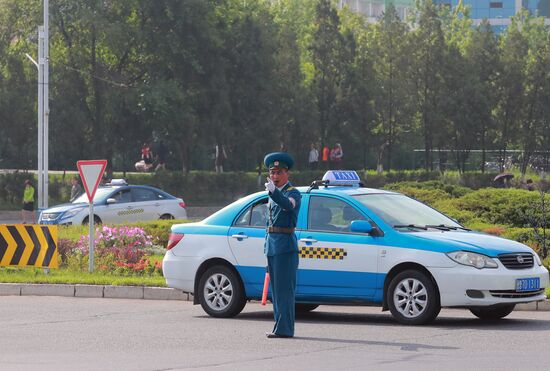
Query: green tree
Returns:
{"type": "Point", "coordinates": [390, 65]}
{"type": "Point", "coordinates": [427, 52]}
{"type": "Point", "coordinates": [327, 52]}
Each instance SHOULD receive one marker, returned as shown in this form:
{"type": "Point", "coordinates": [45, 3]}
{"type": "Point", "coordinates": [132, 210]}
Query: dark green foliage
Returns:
{"type": "Point", "coordinates": [258, 75]}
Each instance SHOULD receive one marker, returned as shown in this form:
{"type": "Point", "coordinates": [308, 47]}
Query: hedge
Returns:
{"type": "Point", "coordinates": [204, 188]}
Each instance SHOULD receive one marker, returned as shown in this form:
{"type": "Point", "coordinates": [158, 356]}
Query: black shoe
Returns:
{"type": "Point", "coordinates": [271, 335]}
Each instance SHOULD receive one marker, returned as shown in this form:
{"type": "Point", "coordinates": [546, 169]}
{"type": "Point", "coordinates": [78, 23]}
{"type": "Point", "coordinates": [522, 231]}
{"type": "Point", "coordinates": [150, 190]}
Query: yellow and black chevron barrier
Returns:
{"type": "Point", "coordinates": [27, 245]}
{"type": "Point", "coordinates": [334, 253]}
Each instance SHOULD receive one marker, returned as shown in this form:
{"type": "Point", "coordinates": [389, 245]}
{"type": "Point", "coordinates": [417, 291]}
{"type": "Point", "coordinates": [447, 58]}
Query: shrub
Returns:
{"type": "Point", "coordinates": [65, 247]}
{"type": "Point", "coordinates": [124, 244]}
{"type": "Point", "coordinates": [497, 206]}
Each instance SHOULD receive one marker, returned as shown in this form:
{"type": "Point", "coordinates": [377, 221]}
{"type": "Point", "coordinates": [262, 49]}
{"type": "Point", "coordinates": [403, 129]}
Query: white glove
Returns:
{"type": "Point", "coordinates": [270, 186]}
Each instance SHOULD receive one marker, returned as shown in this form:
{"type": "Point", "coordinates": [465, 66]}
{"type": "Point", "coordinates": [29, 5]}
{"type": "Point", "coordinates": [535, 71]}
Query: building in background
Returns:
{"type": "Point", "coordinates": [373, 9]}
{"type": "Point", "coordinates": [498, 12]}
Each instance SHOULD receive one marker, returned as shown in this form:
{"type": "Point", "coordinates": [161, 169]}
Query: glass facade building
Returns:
{"type": "Point", "coordinates": [498, 12]}
{"type": "Point", "coordinates": [373, 9]}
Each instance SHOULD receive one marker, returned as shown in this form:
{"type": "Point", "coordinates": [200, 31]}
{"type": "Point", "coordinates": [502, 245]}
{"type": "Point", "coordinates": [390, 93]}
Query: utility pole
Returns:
{"type": "Point", "coordinates": [42, 65]}
{"type": "Point", "coordinates": [46, 97]}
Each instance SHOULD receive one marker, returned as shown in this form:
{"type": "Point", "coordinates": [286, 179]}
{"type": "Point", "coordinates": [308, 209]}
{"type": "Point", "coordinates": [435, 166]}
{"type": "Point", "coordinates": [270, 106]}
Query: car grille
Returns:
{"type": "Point", "coordinates": [511, 294]}
{"type": "Point", "coordinates": [517, 261]}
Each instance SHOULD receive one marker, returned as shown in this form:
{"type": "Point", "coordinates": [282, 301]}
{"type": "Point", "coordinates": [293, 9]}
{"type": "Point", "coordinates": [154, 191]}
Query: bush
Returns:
{"type": "Point", "coordinates": [206, 188]}
{"type": "Point", "coordinates": [497, 206]}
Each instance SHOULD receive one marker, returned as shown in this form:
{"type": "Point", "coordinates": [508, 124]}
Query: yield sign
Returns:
{"type": "Point", "coordinates": [91, 172]}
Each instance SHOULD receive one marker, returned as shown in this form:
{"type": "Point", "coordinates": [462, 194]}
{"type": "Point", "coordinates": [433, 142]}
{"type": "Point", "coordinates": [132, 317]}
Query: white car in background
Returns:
{"type": "Point", "coordinates": [118, 202]}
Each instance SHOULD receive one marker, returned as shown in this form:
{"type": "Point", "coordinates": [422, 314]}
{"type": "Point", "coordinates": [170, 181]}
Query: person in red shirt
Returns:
{"type": "Point", "coordinates": [326, 152]}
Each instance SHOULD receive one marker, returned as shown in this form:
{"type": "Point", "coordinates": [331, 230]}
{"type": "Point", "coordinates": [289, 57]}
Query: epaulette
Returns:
{"type": "Point", "coordinates": [290, 188]}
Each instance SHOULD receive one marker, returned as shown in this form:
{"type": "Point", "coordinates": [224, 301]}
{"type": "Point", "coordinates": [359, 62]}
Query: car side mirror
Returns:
{"type": "Point", "coordinates": [111, 201]}
{"type": "Point", "coordinates": [361, 226]}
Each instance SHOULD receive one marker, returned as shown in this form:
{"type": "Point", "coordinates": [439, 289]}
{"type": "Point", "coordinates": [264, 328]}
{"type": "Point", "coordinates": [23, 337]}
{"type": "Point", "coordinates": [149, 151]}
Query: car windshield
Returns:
{"type": "Point", "coordinates": [401, 211]}
{"type": "Point", "coordinates": [100, 195]}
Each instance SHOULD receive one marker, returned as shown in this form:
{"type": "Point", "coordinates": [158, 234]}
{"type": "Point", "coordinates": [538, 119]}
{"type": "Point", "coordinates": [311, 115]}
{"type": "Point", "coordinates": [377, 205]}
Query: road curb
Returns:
{"type": "Point", "coordinates": [93, 291]}
{"type": "Point", "coordinates": [144, 292]}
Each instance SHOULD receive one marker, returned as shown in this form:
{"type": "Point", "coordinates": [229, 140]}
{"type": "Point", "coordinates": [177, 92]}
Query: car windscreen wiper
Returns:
{"type": "Point", "coordinates": [445, 227]}
{"type": "Point", "coordinates": [412, 226]}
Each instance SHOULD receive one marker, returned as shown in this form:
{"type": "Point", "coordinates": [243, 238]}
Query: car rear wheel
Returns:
{"type": "Point", "coordinates": [97, 220]}
{"type": "Point", "coordinates": [305, 308]}
{"type": "Point", "coordinates": [221, 292]}
{"type": "Point", "coordinates": [413, 298]}
{"type": "Point", "coordinates": [493, 313]}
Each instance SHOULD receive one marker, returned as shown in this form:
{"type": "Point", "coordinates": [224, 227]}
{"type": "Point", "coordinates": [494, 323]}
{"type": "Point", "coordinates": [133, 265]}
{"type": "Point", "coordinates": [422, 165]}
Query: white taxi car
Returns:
{"type": "Point", "coordinates": [358, 246]}
{"type": "Point", "coordinates": [118, 202]}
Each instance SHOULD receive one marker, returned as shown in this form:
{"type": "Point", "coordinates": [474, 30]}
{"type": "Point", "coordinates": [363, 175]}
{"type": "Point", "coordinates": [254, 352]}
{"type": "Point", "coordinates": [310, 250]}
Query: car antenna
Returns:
{"type": "Point", "coordinates": [316, 183]}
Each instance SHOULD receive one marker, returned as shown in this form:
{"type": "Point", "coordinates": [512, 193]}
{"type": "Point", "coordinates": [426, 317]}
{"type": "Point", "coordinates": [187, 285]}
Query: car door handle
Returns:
{"type": "Point", "coordinates": [308, 240]}
{"type": "Point", "coordinates": [239, 236]}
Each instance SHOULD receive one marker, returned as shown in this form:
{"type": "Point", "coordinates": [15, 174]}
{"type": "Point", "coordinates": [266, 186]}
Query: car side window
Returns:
{"type": "Point", "coordinates": [258, 218]}
{"type": "Point", "coordinates": [254, 216]}
{"type": "Point", "coordinates": [142, 195]}
{"type": "Point", "coordinates": [331, 214]}
{"type": "Point", "coordinates": [123, 196]}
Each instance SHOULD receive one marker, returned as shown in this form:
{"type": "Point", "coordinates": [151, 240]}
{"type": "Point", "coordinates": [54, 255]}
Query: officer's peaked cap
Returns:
{"type": "Point", "coordinates": [278, 160]}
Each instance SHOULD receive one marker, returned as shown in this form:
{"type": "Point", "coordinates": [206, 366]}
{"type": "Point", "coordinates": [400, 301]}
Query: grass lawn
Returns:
{"type": "Point", "coordinates": [34, 275]}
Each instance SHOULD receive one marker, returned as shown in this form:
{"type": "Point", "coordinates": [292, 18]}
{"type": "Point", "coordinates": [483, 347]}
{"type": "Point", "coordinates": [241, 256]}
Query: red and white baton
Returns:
{"type": "Point", "coordinates": [266, 287]}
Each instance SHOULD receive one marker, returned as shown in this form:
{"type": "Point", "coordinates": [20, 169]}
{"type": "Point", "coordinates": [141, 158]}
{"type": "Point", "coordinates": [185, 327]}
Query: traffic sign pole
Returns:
{"type": "Point", "coordinates": [91, 172]}
{"type": "Point", "coordinates": [92, 238]}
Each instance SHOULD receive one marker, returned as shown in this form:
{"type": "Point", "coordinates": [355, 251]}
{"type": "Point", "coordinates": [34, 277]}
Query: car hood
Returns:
{"type": "Point", "coordinates": [447, 241]}
{"type": "Point", "coordinates": [65, 207]}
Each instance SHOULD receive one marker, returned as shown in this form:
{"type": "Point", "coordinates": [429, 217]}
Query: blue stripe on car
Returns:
{"type": "Point", "coordinates": [321, 285]}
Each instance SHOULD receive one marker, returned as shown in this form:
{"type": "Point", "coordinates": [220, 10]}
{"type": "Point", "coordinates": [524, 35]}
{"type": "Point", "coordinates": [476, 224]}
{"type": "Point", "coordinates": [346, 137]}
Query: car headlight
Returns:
{"type": "Point", "coordinates": [71, 213]}
{"type": "Point", "coordinates": [472, 259]}
{"type": "Point", "coordinates": [537, 259]}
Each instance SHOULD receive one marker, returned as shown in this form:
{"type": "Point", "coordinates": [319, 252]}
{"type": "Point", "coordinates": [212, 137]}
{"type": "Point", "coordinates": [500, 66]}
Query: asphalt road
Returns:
{"type": "Point", "coordinates": [54, 333]}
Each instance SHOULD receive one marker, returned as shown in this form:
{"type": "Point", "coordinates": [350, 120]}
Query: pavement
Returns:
{"type": "Point", "coordinates": [141, 292]}
{"type": "Point", "coordinates": [66, 333]}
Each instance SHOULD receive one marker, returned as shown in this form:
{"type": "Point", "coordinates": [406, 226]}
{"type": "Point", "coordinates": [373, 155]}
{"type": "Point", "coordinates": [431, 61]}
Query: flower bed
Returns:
{"type": "Point", "coordinates": [122, 250]}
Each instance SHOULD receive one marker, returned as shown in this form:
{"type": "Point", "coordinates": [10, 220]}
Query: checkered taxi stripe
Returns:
{"type": "Point", "coordinates": [129, 212]}
{"type": "Point", "coordinates": [322, 253]}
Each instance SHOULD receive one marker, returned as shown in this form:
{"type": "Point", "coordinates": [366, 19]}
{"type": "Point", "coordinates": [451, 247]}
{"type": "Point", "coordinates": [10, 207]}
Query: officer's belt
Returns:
{"type": "Point", "coordinates": [280, 230]}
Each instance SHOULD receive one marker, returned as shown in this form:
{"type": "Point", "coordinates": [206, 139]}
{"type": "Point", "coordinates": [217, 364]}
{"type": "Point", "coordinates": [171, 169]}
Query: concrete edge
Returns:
{"type": "Point", "coordinates": [145, 292]}
{"type": "Point", "coordinates": [93, 291]}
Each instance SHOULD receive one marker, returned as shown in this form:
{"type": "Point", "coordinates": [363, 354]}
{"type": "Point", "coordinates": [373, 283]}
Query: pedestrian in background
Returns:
{"type": "Point", "coordinates": [28, 203]}
{"type": "Point", "coordinates": [161, 152]}
{"type": "Point", "coordinates": [336, 156]}
{"type": "Point", "coordinates": [326, 153]}
{"type": "Point", "coordinates": [313, 160]}
{"type": "Point", "coordinates": [76, 189]}
{"type": "Point", "coordinates": [220, 158]}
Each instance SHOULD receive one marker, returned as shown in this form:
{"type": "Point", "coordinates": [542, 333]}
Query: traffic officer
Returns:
{"type": "Point", "coordinates": [281, 246]}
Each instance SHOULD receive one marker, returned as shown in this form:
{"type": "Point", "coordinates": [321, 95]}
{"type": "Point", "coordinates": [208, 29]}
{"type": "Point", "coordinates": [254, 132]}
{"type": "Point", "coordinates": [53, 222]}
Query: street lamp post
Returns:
{"type": "Point", "coordinates": [46, 100]}
{"type": "Point", "coordinates": [42, 65]}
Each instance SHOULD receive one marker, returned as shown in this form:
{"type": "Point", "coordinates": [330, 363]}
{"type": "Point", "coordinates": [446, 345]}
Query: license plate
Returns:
{"type": "Point", "coordinates": [528, 284]}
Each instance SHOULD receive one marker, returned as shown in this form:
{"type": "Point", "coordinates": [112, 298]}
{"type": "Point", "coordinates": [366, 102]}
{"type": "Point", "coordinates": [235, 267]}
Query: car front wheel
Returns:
{"type": "Point", "coordinates": [221, 292]}
{"type": "Point", "coordinates": [413, 298]}
{"type": "Point", "coordinates": [493, 313]}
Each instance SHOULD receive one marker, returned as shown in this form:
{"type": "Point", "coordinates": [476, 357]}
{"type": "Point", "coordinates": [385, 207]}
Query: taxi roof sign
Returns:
{"type": "Point", "coordinates": [342, 178]}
